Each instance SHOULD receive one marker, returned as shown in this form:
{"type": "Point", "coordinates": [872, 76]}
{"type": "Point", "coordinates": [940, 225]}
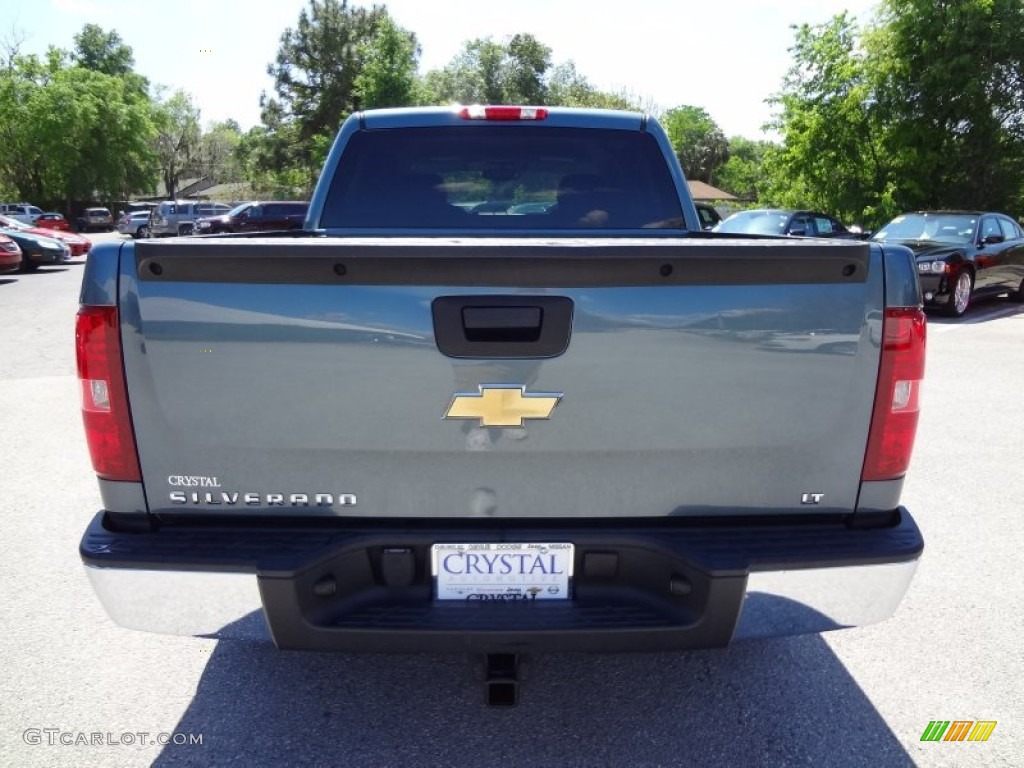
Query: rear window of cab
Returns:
{"type": "Point", "coordinates": [502, 177]}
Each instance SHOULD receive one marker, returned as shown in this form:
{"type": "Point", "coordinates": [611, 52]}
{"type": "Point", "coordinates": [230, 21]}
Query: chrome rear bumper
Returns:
{"type": "Point", "coordinates": [665, 586]}
{"type": "Point", "coordinates": [776, 603]}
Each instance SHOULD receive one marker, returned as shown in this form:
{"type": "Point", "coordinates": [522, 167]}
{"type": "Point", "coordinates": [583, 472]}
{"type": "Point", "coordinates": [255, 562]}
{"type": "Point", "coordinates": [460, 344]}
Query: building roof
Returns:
{"type": "Point", "coordinates": [159, 193]}
{"type": "Point", "coordinates": [701, 191]}
{"type": "Point", "coordinates": [231, 191]}
{"type": "Point", "coordinates": [193, 187]}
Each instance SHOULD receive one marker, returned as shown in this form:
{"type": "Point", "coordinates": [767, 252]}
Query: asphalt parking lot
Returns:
{"type": "Point", "coordinates": [856, 697]}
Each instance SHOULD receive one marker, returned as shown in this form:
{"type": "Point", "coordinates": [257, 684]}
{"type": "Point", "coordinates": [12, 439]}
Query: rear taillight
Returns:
{"type": "Point", "coordinates": [108, 428]}
{"type": "Point", "coordinates": [894, 418]}
{"type": "Point", "coordinates": [478, 112]}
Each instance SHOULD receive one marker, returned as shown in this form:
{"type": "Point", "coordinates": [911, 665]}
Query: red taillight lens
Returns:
{"type": "Point", "coordinates": [108, 428]}
{"type": "Point", "coordinates": [894, 418]}
{"type": "Point", "coordinates": [478, 112]}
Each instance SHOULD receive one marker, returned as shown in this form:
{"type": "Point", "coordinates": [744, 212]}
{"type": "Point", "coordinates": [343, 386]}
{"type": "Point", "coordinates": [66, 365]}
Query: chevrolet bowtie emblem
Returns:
{"type": "Point", "coordinates": [497, 405]}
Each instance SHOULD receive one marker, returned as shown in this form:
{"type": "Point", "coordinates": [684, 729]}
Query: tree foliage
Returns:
{"type": "Point", "coordinates": [72, 133]}
{"type": "Point", "coordinates": [523, 70]}
{"type": "Point", "coordinates": [568, 88]}
{"type": "Point", "coordinates": [516, 71]}
{"type": "Point", "coordinates": [272, 162]}
{"type": "Point", "coordinates": [833, 155]}
{"type": "Point", "coordinates": [950, 85]}
{"type": "Point", "coordinates": [102, 51]}
{"type": "Point", "coordinates": [921, 110]}
{"type": "Point", "coordinates": [490, 72]}
{"type": "Point", "coordinates": [742, 174]}
{"type": "Point", "coordinates": [337, 60]}
{"type": "Point", "coordinates": [318, 63]}
{"type": "Point", "coordinates": [697, 140]}
{"type": "Point", "coordinates": [216, 153]}
{"type": "Point", "coordinates": [177, 139]}
{"type": "Point", "coordinates": [389, 59]}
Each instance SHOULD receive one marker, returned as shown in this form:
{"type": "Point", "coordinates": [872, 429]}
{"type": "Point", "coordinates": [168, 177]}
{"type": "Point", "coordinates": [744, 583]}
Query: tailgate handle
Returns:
{"type": "Point", "coordinates": [502, 323]}
{"type": "Point", "coordinates": [496, 326]}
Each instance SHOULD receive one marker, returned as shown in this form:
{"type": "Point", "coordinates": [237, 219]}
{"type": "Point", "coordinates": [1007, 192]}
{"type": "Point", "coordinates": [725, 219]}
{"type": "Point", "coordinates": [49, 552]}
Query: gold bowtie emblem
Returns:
{"type": "Point", "coordinates": [502, 406]}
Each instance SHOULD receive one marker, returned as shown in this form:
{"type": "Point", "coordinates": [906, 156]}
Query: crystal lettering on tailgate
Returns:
{"type": "Point", "coordinates": [193, 481]}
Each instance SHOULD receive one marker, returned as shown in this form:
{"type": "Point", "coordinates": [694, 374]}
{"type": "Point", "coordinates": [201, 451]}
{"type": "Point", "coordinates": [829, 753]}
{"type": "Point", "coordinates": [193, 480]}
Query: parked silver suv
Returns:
{"type": "Point", "coordinates": [95, 218]}
{"type": "Point", "coordinates": [177, 217]}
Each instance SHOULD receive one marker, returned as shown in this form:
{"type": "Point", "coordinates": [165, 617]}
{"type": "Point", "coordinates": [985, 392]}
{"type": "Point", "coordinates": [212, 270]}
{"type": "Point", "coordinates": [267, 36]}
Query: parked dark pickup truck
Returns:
{"type": "Point", "coordinates": [413, 427]}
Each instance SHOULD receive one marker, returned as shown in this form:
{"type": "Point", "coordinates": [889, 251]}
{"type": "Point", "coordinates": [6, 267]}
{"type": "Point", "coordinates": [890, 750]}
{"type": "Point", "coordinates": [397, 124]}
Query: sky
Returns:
{"type": "Point", "coordinates": [725, 57]}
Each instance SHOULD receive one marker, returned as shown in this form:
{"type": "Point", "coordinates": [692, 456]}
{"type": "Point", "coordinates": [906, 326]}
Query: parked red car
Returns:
{"type": "Point", "coordinates": [10, 255]}
{"type": "Point", "coordinates": [80, 246]}
{"type": "Point", "coordinates": [53, 221]}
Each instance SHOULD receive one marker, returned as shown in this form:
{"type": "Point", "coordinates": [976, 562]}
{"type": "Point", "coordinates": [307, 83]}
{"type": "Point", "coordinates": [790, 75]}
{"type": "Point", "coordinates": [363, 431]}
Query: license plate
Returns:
{"type": "Point", "coordinates": [502, 571]}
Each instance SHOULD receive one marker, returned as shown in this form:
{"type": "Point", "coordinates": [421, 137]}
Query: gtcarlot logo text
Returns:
{"type": "Point", "coordinates": [59, 737]}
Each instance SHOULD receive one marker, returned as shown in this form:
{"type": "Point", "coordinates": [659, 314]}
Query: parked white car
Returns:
{"type": "Point", "coordinates": [23, 212]}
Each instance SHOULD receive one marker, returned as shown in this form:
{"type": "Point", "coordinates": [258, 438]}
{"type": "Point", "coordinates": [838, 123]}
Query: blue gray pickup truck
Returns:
{"type": "Point", "coordinates": [429, 423]}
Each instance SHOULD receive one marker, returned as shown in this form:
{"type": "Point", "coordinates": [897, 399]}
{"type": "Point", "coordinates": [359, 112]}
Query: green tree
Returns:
{"type": "Point", "coordinates": [489, 72]}
{"type": "Point", "coordinates": [743, 173]}
{"type": "Point", "coordinates": [72, 133]}
{"type": "Point", "coordinates": [216, 153]}
{"type": "Point", "coordinates": [318, 63]}
{"type": "Point", "coordinates": [177, 139]}
{"type": "Point", "coordinates": [102, 51]}
{"type": "Point", "coordinates": [337, 60]}
{"type": "Point", "coordinates": [949, 79]}
{"type": "Point", "coordinates": [833, 155]}
{"type": "Point", "coordinates": [389, 59]}
{"type": "Point", "coordinates": [697, 140]}
{"type": "Point", "coordinates": [275, 162]}
{"type": "Point", "coordinates": [568, 88]}
{"type": "Point", "coordinates": [524, 69]}
{"type": "Point", "coordinates": [921, 110]}
{"type": "Point", "coordinates": [473, 76]}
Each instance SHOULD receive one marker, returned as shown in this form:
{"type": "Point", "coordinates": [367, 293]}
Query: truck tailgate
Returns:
{"type": "Point", "coordinates": [696, 377]}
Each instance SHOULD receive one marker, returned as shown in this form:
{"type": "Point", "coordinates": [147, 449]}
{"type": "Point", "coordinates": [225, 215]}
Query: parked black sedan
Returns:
{"type": "Point", "coordinates": [961, 255]}
{"type": "Point", "coordinates": [772, 221]}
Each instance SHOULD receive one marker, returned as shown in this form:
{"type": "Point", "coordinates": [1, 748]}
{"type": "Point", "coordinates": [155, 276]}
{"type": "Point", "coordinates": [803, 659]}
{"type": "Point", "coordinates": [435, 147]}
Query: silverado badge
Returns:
{"type": "Point", "coordinates": [502, 405]}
